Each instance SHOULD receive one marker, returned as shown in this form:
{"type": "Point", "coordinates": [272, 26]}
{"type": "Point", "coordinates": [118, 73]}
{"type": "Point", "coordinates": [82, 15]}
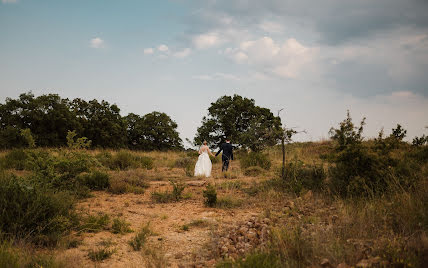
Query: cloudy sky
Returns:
{"type": "Point", "coordinates": [316, 59]}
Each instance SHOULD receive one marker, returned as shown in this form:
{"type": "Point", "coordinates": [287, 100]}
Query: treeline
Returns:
{"type": "Point", "coordinates": [50, 118]}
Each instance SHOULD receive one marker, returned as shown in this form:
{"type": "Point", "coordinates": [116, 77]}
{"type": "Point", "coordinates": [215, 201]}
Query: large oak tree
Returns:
{"type": "Point", "coordinates": [239, 119]}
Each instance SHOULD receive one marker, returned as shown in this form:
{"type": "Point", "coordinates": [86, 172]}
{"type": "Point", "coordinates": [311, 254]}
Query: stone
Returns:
{"type": "Point", "coordinates": [210, 262]}
{"type": "Point", "coordinates": [325, 263]}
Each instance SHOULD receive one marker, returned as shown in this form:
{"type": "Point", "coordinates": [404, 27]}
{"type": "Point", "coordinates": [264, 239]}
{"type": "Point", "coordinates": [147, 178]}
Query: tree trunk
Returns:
{"type": "Point", "coordinates": [283, 157]}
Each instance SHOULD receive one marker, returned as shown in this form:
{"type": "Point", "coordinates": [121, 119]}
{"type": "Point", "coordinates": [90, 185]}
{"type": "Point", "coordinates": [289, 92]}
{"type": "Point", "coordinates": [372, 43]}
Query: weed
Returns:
{"type": "Point", "coordinates": [228, 202]}
{"type": "Point", "coordinates": [100, 254]}
{"type": "Point", "coordinates": [95, 223]}
{"type": "Point", "coordinates": [120, 226]}
{"type": "Point", "coordinates": [166, 197]}
{"type": "Point", "coordinates": [138, 242]}
{"type": "Point", "coordinates": [96, 180]}
{"type": "Point", "coordinates": [210, 195]}
{"type": "Point", "coordinates": [253, 171]}
{"type": "Point", "coordinates": [255, 159]}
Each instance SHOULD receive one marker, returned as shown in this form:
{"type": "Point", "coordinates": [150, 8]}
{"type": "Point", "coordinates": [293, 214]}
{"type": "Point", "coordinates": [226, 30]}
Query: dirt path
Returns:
{"type": "Point", "coordinates": [171, 245]}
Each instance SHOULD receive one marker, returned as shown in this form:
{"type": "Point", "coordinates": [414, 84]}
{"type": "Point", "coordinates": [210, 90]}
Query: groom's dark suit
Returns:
{"type": "Point", "coordinates": [227, 155]}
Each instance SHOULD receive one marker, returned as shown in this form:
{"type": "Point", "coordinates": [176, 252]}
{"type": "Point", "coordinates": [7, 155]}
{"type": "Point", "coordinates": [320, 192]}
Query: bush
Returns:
{"type": "Point", "coordinates": [96, 180]}
{"type": "Point", "coordinates": [95, 223]}
{"type": "Point", "coordinates": [16, 159]}
{"type": "Point", "coordinates": [123, 160]}
{"type": "Point", "coordinates": [14, 257]}
{"type": "Point", "coordinates": [129, 184]}
{"type": "Point", "coordinates": [33, 211]}
{"type": "Point", "coordinates": [166, 197]}
{"type": "Point", "coordinates": [255, 159]}
{"type": "Point", "coordinates": [140, 238]}
{"type": "Point", "coordinates": [100, 254]}
{"type": "Point", "coordinates": [228, 202]}
{"type": "Point", "coordinates": [253, 171]}
{"type": "Point", "coordinates": [298, 176]}
{"type": "Point", "coordinates": [187, 164]}
{"type": "Point", "coordinates": [145, 162]}
{"type": "Point", "coordinates": [120, 226]}
{"type": "Point", "coordinates": [210, 195]}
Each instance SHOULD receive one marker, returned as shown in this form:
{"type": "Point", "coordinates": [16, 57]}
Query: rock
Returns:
{"type": "Point", "coordinates": [243, 230]}
{"type": "Point", "coordinates": [325, 263]}
{"type": "Point", "coordinates": [308, 195]}
{"type": "Point", "coordinates": [343, 265]}
{"type": "Point", "coordinates": [210, 262]}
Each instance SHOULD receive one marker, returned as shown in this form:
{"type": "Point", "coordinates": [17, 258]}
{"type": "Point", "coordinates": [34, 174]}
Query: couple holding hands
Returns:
{"type": "Point", "coordinates": [203, 165]}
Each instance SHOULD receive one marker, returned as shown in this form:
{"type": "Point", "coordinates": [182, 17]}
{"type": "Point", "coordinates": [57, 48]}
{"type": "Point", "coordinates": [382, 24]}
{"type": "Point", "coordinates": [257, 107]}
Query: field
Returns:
{"type": "Point", "coordinates": [102, 208]}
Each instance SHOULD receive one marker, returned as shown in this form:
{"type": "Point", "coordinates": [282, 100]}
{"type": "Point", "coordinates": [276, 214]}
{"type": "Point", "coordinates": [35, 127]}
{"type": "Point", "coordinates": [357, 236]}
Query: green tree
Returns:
{"type": "Point", "coordinates": [101, 123]}
{"type": "Point", "coordinates": [153, 131]}
{"type": "Point", "coordinates": [347, 133]}
{"type": "Point", "coordinates": [48, 117]}
{"type": "Point", "coordinates": [28, 137]}
{"type": "Point", "coordinates": [239, 119]}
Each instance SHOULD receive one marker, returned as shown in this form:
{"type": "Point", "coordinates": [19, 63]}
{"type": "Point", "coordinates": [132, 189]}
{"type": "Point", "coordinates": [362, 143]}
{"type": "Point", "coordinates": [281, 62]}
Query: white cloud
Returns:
{"type": "Point", "coordinates": [183, 53]}
{"type": "Point", "coordinates": [9, 1]}
{"type": "Point", "coordinates": [287, 60]}
{"type": "Point", "coordinates": [97, 43]}
{"type": "Point", "coordinates": [163, 48]}
{"type": "Point", "coordinates": [148, 51]}
{"type": "Point", "coordinates": [207, 40]}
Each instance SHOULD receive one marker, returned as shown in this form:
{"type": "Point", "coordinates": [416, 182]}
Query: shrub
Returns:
{"type": "Point", "coordinates": [120, 226]}
{"type": "Point", "coordinates": [122, 160]}
{"type": "Point", "coordinates": [100, 254]}
{"type": "Point", "coordinates": [253, 171]}
{"type": "Point", "coordinates": [80, 143]}
{"type": "Point", "coordinates": [228, 202]}
{"type": "Point", "coordinates": [166, 197]}
{"type": "Point", "coordinates": [128, 184]}
{"type": "Point", "coordinates": [28, 137]}
{"type": "Point", "coordinates": [16, 159]}
{"type": "Point", "coordinates": [14, 257]}
{"type": "Point", "coordinates": [298, 176]}
{"type": "Point", "coordinates": [34, 211]}
{"type": "Point", "coordinates": [118, 186]}
{"type": "Point", "coordinates": [255, 159]}
{"type": "Point", "coordinates": [210, 195]}
{"type": "Point", "coordinates": [187, 164]}
{"type": "Point", "coordinates": [95, 223]}
{"type": "Point", "coordinates": [96, 180]}
{"type": "Point", "coordinates": [140, 238]}
{"type": "Point", "coordinates": [145, 162]}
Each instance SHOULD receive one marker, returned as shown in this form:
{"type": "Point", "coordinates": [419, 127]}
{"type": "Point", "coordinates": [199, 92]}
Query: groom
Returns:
{"type": "Point", "coordinates": [227, 155]}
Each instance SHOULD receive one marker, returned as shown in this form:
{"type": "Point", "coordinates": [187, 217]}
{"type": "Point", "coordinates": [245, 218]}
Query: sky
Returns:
{"type": "Point", "coordinates": [314, 59]}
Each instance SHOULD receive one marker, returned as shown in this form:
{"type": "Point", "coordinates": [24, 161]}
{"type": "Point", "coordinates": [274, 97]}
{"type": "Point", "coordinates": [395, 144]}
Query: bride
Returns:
{"type": "Point", "coordinates": [203, 166]}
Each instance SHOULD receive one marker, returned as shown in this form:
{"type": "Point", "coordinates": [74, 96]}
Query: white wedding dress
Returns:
{"type": "Point", "coordinates": [203, 166]}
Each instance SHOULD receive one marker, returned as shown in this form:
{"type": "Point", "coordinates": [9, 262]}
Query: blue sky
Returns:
{"type": "Point", "coordinates": [316, 59]}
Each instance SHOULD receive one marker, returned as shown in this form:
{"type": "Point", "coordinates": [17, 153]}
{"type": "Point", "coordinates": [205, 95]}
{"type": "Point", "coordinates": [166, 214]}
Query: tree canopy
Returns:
{"type": "Point", "coordinates": [49, 118]}
{"type": "Point", "coordinates": [240, 120]}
